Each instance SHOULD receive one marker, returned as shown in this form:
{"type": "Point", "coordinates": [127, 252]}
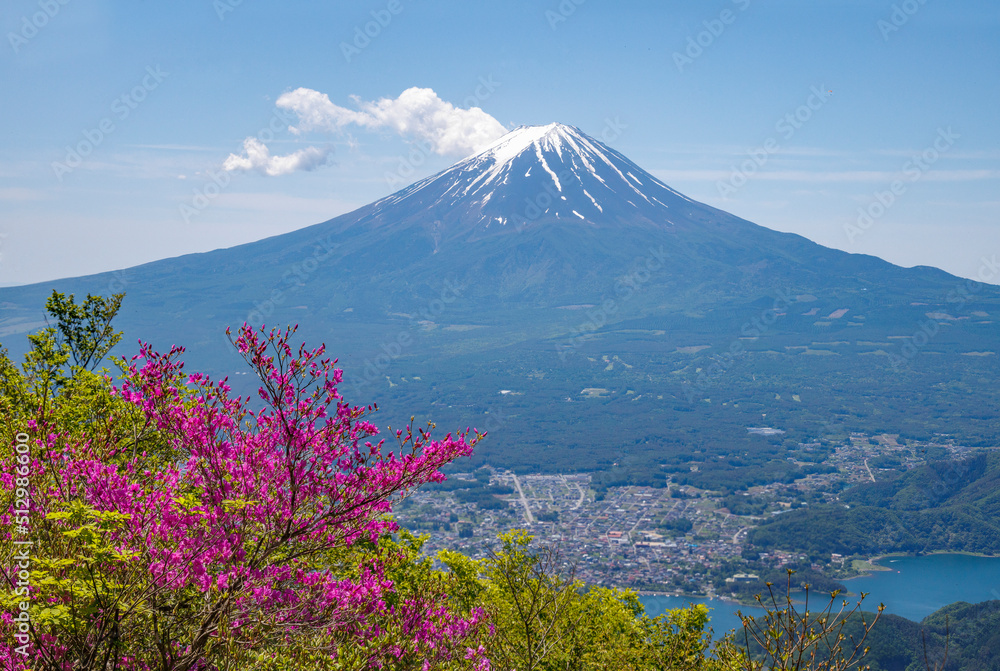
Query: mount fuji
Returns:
{"type": "Point", "coordinates": [547, 215]}
{"type": "Point", "coordinates": [537, 174]}
{"type": "Point", "coordinates": [551, 290]}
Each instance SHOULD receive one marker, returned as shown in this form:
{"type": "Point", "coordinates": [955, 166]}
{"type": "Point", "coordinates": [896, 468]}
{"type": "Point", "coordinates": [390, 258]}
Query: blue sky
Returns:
{"type": "Point", "coordinates": [873, 123]}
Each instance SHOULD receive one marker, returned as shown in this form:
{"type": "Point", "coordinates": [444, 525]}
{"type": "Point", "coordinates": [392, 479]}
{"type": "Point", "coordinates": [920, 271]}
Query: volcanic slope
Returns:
{"type": "Point", "coordinates": [549, 289]}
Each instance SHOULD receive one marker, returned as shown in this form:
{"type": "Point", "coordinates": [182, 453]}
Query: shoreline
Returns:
{"type": "Point", "coordinates": [682, 595]}
{"type": "Point", "coordinates": [874, 566]}
{"type": "Point", "coordinates": [703, 597]}
{"type": "Point", "coordinates": [871, 566]}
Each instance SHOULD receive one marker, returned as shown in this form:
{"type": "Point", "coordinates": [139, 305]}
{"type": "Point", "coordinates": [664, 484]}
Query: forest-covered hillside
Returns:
{"type": "Point", "coordinates": [948, 505]}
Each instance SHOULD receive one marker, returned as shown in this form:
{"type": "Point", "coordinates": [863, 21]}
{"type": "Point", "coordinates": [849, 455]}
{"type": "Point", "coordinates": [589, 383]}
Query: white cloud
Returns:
{"type": "Point", "coordinates": [256, 156]}
{"type": "Point", "coordinates": [417, 114]}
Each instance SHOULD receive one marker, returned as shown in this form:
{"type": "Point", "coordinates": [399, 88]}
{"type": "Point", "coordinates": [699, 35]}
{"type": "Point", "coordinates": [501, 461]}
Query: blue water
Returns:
{"type": "Point", "coordinates": [914, 587]}
{"type": "Point", "coordinates": [722, 613]}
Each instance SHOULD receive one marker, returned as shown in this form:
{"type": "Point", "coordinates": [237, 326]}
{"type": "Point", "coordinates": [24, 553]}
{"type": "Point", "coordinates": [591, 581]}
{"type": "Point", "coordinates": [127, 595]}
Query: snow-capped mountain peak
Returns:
{"type": "Point", "coordinates": [541, 173]}
{"type": "Point", "coordinates": [520, 139]}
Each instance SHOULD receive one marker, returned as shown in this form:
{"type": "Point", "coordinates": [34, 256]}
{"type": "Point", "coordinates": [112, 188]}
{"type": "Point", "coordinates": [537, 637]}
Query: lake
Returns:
{"type": "Point", "coordinates": [913, 587]}
{"type": "Point", "coordinates": [722, 613]}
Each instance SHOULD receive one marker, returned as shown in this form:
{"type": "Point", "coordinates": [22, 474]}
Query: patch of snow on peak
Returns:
{"type": "Point", "coordinates": [538, 153]}
{"type": "Point", "coordinates": [514, 142]}
{"type": "Point", "coordinates": [596, 204]}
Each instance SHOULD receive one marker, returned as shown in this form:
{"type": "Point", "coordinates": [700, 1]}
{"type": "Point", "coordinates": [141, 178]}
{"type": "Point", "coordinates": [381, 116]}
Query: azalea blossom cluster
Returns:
{"type": "Point", "coordinates": [208, 521]}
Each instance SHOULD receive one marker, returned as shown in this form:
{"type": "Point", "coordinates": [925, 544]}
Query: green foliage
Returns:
{"type": "Point", "coordinates": [783, 638]}
{"type": "Point", "coordinates": [85, 330]}
{"type": "Point", "coordinates": [100, 602]}
{"type": "Point", "coordinates": [541, 616]}
{"type": "Point", "coordinates": [679, 526]}
{"type": "Point", "coordinates": [958, 637]}
{"type": "Point", "coordinates": [414, 578]}
{"type": "Point", "coordinates": [60, 398]}
{"type": "Point", "coordinates": [802, 578]}
{"type": "Point", "coordinates": [671, 422]}
{"type": "Point", "coordinates": [542, 619]}
{"type": "Point", "coordinates": [82, 337]}
{"type": "Point", "coordinates": [738, 504]}
{"type": "Point", "coordinates": [478, 491]}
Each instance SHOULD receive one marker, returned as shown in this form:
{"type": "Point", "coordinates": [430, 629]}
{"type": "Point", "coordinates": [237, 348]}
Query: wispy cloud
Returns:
{"type": "Point", "coordinates": [257, 157]}
{"type": "Point", "coordinates": [738, 151]}
{"type": "Point", "coordinates": [877, 176]}
{"type": "Point", "coordinates": [285, 203]}
{"type": "Point", "coordinates": [968, 154]}
{"type": "Point", "coordinates": [417, 114]}
{"type": "Point", "coordinates": [172, 147]}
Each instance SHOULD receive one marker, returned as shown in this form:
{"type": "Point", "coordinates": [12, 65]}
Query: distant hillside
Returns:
{"type": "Point", "coordinates": [972, 632]}
{"type": "Point", "coordinates": [947, 505]}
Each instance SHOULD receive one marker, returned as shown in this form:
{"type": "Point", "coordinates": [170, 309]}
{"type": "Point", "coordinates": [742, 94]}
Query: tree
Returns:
{"type": "Point", "coordinates": [786, 639]}
{"type": "Point", "coordinates": [420, 594]}
{"type": "Point", "coordinates": [176, 528]}
{"type": "Point", "coordinates": [173, 527]}
{"type": "Point", "coordinates": [542, 619]}
{"type": "Point", "coordinates": [85, 330]}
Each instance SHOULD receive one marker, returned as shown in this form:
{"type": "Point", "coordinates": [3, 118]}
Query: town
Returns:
{"type": "Point", "coordinates": [672, 540]}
